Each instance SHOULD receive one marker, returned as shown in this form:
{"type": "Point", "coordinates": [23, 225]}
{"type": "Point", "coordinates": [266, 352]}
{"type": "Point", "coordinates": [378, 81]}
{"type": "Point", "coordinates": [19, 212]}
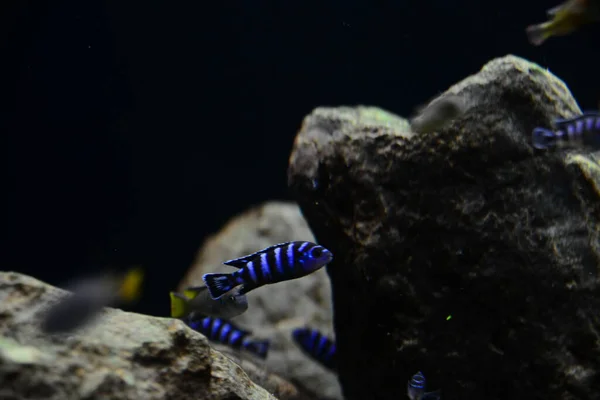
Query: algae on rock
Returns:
{"type": "Point", "coordinates": [470, 222]}
{"type": "Point", "coordinates": [121, 356]}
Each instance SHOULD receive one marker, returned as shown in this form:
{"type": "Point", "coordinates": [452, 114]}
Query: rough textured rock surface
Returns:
{"type": "Point", "coordinates": [122, 356]}
{"type": "Point", "coordinates": [275, 310]}
{"type": "Point", "coordinates": [469, 222]}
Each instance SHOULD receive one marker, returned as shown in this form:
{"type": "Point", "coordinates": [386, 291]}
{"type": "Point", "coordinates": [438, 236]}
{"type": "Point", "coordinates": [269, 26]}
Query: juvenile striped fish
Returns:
{"type": "Point", "coordinates": [317, 346]}
{"type": "Point", "coordinates": [280, 262]}
{"type": "Point", "coordinates": [197, 300]}
{"type": "Point", "coordinates": [225, 332]}
{"type": "Point", "coordinates": [416, 389]}
{"type": "Point", "coordinates": [583, 130]}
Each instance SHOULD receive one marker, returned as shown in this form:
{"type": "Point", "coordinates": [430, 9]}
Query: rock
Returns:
{"type": "Point", "coordinates": [274, 310]}
{"type": "Point", "coordinates": [119, 356]}
{"type": "Point", "coordinates": [465, 254]}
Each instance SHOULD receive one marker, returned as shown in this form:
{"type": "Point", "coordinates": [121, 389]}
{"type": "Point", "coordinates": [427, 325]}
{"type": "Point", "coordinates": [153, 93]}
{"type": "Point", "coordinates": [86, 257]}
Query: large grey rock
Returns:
{"type": "Point", "coordinates": [121, 356]}
{"type": "Point", "coordinates": [464, 253]}
{"type": "Point", "coordinates": [274, 310]}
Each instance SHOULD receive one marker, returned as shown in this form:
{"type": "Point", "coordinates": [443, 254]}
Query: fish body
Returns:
{"type": "Point", "coordinates": [277, 263]}
{"type": "Point", "coordinates": [566, 18]}
{"type": "Point", "coordinates": [583, 130]}
{"type": "Point", "coordinates": [317, 346]}
{"type": "Point", "coordinates": [225, 332]}
{"type": "Point", "coordinates": [89, 297]}
{"type": "Point", "coordinates": [416, 389]}
{"type": "Point", "coordinates": [437, 114]}
{"type": "Point", "coordinates": [197, 300]}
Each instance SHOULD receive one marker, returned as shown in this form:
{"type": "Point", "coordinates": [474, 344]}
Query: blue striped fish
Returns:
{"type": "Point", "coordinates": [316, 345]}
{"type": "Point", "coordinates": [225, 332]}
{"type": "Point", "coordinates": [280, 262]}
{"type": "Point", "coordinates": [416, 389]}
{"type": "Point", "coordinates": [583, 130]}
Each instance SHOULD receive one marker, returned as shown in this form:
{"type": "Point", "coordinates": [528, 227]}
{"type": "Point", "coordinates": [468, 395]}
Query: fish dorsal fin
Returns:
{"type": "Point", "coordinates": [560, 122]}
{"type": "Point", "coordinates": [242, 261]}
{"type": "Point", "coordinates": [590, 113]}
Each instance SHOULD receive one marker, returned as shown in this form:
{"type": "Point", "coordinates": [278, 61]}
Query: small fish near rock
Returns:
{"type": "Point", "coordinates": [226, 332]}
{"type": "Point", "coordinates": [89, 298]}
{"type": "Point", "coordinates": [415, 389]}
{"type": "Point", "coordinates": [318, 346]}
{"type": "Point", "coordinates": [277, 263]}
{"type": "Point", "coordinates": [197, 300]}
{"type": "Point", "coordinates": [581, 131]}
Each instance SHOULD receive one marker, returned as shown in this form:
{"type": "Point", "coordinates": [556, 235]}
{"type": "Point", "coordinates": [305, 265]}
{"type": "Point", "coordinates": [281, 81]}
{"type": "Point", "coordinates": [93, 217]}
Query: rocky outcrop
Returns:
{"type": "Point", "coordinates": [274, 310]}
{"type": "Point", "coordinates": [121, 356]}
{"type": "Point", "coordinates": [465, 253]}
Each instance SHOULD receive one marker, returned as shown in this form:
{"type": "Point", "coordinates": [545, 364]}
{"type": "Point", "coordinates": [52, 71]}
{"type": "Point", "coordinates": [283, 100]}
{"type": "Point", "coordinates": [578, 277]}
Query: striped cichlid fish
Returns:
{"type": "Point", "coordinates": [316, 345]}
{"type": "Point", "coordinates": [225, 332]}
{"type": "Point", "coordinates": [280, 262]}
{"type": "Point", "coordinates": [416, 389]}
{"type": "Point", "coordinates": [583, 130]}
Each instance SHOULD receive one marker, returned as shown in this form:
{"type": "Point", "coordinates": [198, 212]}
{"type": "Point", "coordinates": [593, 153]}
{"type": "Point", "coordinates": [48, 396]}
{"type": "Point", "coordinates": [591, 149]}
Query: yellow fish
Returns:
{"type": "Point", "coordinates": [566, 18]}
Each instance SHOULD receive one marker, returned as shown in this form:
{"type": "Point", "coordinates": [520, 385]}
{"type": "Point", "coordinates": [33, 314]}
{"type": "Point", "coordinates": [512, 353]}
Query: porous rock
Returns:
{"type": "Point", "coordinates": [466, 253]}
{"type": "Point", "coordinates": [121, 355]}
{"type": "Point", "coordinates": [275, 310]}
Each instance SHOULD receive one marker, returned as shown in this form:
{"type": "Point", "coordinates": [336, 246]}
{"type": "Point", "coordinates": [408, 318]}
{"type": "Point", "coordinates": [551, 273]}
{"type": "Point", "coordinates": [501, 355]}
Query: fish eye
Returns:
{"type": "Point", "coordinates": [316, 252]}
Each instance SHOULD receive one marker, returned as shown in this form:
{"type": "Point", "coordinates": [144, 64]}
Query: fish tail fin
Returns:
{"type": "Point", "coordinates": [537, 34]}
{"type": "Point", "coordinates": [131, 286]}
{"type": "Point", "coordinates": [179, 305]}
{"type": "Point", "coordinates": [258, 347]}
{"type": "Point", "coordinates": [219, 284]}
{"type": "Point", "coordinates": [542, 138]}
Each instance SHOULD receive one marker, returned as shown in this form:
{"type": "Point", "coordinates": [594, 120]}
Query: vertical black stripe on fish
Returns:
{"type": "Point", "coordinates": [248, 273]}
{"type": "Point", "coordinates": [305, 247]}
{"type": "Point", "coordinates": [290, 258]}
{"type": "Point", "coordinates": [258, 268]}
{"type": "Point", "coordinates": [279, 263]}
